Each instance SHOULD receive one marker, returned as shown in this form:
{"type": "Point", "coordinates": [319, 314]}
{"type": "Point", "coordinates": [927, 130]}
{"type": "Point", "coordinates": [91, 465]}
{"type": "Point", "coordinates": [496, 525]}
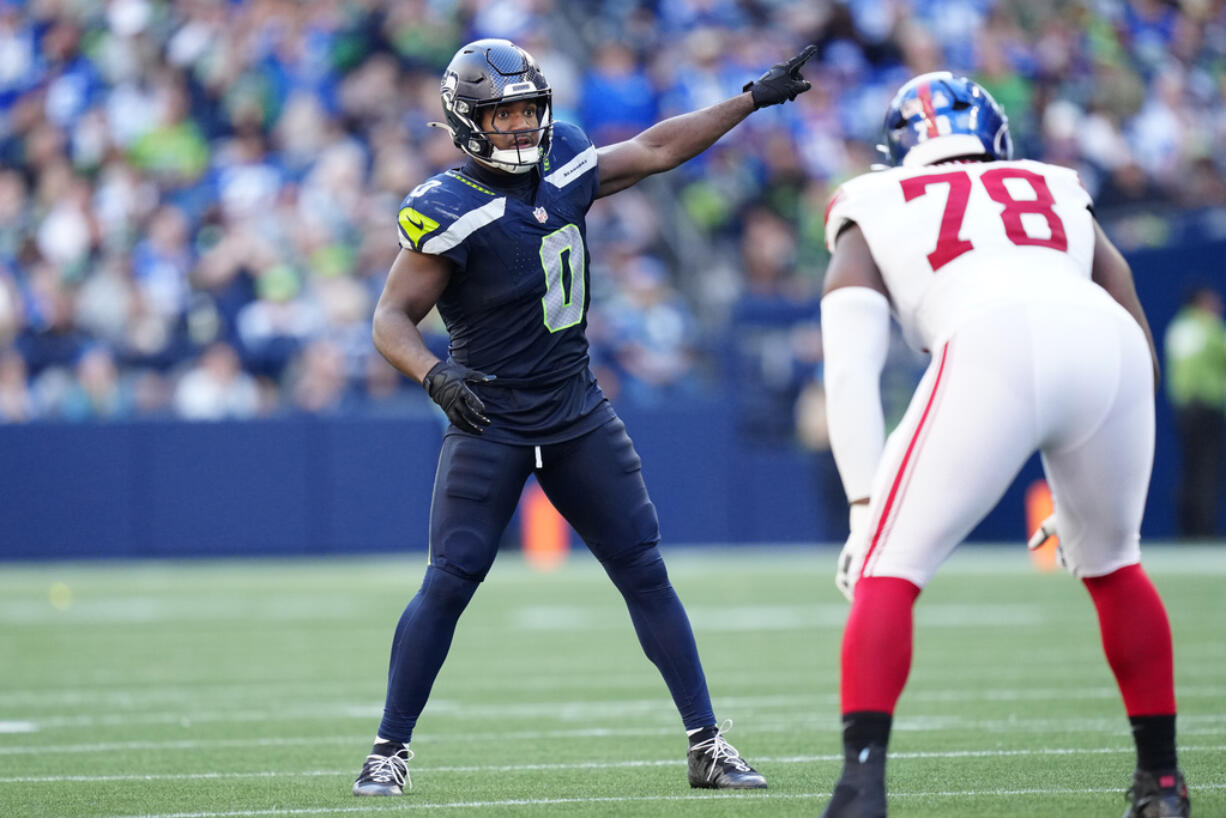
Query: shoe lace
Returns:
{"type": "Point", "coordinates": [389, 769]}
{"type": "Point", "coordinates": [721, 752]}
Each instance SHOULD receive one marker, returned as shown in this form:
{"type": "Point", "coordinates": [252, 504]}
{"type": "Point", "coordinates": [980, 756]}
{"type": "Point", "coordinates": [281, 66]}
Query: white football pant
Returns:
{"type": "Point", "coordinates": [1072, 379]}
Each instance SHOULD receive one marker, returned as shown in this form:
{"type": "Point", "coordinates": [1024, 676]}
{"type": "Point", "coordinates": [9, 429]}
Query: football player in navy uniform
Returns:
{"type": "Point", "coordinates": [500, 246]}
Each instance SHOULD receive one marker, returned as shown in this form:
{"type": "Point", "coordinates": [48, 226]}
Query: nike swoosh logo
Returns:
{"type": "Point", "coordinates": [415, 225]}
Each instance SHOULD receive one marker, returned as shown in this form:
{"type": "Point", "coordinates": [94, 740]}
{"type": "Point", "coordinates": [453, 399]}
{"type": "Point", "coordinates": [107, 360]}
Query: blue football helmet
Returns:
{"type": "Point", "coordinates": [938, 116]}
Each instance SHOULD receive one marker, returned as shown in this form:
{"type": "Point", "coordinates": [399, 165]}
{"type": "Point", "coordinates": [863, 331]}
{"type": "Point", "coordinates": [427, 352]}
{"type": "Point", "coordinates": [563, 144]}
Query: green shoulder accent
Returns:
{"type": "Point", "coordinates": [416, 225]}
{"type": "Point", "coordinates": [460, 177]}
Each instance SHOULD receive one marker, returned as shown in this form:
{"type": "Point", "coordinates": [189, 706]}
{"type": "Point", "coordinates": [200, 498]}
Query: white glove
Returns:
{"type": "Point", "coordinates": [1045, 531]}
{"type": "Point", "coordinates": [851, 558]}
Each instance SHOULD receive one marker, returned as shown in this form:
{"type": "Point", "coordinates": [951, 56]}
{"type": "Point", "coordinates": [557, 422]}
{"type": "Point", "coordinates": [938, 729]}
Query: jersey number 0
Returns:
{"type": "Point", "coordinates": [562, 250]}
{"type": "Point", "coordinates": [950, 246]}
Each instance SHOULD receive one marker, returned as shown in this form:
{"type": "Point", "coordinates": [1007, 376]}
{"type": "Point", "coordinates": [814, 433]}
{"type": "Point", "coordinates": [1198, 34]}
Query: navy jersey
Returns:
{"type": "Point", "coordinates": [516, 305]}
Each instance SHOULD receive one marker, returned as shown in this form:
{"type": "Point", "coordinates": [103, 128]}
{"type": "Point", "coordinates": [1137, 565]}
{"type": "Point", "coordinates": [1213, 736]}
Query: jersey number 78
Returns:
{"type": "Point", "coordinates": [950, 246]}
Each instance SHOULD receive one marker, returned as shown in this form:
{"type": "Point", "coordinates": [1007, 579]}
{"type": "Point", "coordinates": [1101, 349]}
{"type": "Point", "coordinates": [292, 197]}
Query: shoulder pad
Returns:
{"type": "Point", "coordinates": [1067, 180]}
{"type": "Point", "coordinates": [435, 205]}
{"type": "Point", "coordinates": [849, 201]}
{"type": "Point", "coordinates": [571, 154]}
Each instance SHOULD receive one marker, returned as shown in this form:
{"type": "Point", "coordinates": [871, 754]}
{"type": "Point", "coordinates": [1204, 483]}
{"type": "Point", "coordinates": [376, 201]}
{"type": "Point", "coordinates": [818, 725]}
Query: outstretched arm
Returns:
{"type": "Point", "coordinates": [667, 144]}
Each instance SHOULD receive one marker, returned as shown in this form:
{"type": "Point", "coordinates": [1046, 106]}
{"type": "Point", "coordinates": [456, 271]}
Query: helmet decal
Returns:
{"type": "Point", "coordinates": [924, 92]}
{"type": "Point", "coordinates": [940, 116]}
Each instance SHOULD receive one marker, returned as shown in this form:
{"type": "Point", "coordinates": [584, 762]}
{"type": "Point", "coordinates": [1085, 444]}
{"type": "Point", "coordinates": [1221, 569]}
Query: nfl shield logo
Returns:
{"type": "Point", "coordinates": [541, 215]}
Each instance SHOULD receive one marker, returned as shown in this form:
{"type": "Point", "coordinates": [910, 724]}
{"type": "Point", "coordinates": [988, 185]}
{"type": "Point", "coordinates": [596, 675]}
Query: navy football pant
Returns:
{"type": "Point", "coordinates": [596, 483]}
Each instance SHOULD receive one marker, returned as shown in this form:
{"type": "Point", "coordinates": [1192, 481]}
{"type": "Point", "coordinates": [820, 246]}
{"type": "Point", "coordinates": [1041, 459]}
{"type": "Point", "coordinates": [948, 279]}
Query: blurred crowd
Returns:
{"type": "Point", "coordinates": [198, 198]}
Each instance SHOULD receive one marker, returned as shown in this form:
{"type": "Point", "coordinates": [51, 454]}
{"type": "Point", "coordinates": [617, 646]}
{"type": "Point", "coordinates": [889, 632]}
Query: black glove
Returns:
{"type": "Point", "coordinates": [782, 82]}
{"type": "Point", "coordinates": [447, 385]}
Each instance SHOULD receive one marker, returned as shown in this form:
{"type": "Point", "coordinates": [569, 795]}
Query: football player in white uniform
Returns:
{"type": "Point", "coordinates": [998, 269]}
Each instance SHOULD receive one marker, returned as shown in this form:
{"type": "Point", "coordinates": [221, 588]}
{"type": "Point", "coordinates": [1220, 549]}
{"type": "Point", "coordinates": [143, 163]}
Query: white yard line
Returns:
{"type": "Point", "coordinates": [541, 802]}
{"type": "Point", "coordinates": [127, 609]}
{"type": "Point", "coordinates": [587, 765]}
{"type": "Point", "coordinates": [1206, 725]}
{"type": "Point", "coordinates": [133, 696]}
{"type": "Point", "coordinates": [566, 711]}
{"type": "Point", "coordinates": [18, 727]}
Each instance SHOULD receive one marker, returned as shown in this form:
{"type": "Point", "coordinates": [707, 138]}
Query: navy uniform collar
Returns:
{"type": "Point", "coordinates": [519, 185]}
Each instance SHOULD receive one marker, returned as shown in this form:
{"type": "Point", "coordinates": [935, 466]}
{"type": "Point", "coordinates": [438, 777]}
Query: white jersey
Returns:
{"type": "Point", "coordinates": [988, 266]}
{"type": "Point", "coordinates": [953, 239]}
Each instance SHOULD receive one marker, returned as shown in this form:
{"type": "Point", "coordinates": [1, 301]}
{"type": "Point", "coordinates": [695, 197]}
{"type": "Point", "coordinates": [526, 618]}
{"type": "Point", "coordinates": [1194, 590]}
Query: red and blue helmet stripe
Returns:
{"type": "Point", "coordinates": [933, 107]}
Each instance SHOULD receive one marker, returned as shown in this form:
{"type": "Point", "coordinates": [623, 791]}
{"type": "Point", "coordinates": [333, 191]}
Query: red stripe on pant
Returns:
{"type": "Point", "coordinates": [892, 497]}
{"type": "Point", "coordinates": [876, 655]}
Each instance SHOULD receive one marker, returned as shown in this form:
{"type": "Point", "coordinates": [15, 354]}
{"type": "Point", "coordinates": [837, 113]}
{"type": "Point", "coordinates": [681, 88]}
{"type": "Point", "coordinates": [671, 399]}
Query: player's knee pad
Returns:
{"type": "Point", "coordinates": [641, 569]}
{"type": "Point", "coordinates": [466, 551]}
{"type": "Point", "coordinates": [447, 591]}
{"type": "Point", "coordinates": [645, 525]}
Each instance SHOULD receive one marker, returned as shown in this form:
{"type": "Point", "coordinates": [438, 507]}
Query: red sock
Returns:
{"type": "Point", "coordinates": [1137, 639]}
{"type": "Point", "coordinates": [877, 644]}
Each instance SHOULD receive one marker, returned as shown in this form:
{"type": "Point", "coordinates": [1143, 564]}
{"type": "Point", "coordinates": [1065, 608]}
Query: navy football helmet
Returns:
{"type": "Point", "coordinates": [487, 73]}
{"type": "Point", "coordinates": [938, 116]}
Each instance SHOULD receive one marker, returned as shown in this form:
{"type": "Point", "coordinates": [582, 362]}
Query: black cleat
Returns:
{"type": "Point", "coordinates": [1157, 795]}
{"type": "Point", "coordinates": [385, 774]}
{"type": "Point", "coordinates": [860, 792]}
{"type": "Point", "coordinates": [715, 764]}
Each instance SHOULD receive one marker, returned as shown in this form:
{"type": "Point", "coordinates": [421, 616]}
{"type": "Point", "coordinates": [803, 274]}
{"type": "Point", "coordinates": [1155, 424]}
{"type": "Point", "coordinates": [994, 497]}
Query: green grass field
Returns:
{"type": "Point", "coordinates": [254, 688]}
